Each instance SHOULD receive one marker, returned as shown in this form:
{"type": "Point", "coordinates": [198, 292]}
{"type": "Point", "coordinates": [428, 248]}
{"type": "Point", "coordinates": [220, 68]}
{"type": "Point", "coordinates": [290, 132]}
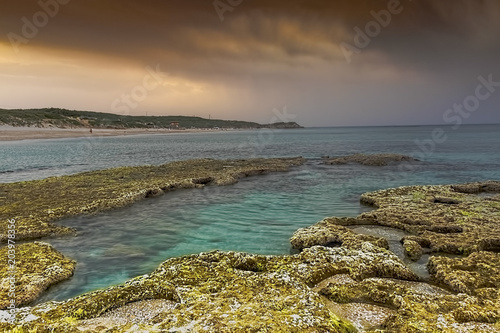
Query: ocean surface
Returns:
{"type": "Point", "coordinates": [258, 214]}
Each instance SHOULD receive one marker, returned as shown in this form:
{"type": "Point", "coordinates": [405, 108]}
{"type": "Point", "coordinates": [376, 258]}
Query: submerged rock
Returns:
{"type": "Point", "coordinates": [55, 198]}
{"type": "Point", "coordinates": [370, 160]}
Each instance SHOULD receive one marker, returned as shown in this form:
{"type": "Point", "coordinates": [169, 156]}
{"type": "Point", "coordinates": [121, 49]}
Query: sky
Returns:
{"type": "Point", "coordinates": [319, 63]}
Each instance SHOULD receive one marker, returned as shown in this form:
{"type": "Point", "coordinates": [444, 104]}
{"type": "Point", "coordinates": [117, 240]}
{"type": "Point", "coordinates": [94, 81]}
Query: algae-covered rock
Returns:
{"type": "Point", "coordinates": [471, 275]}
{"type": "Point", "coordinates": [412, 249]}
{"type": "Point", "coordinates": [419, 307]}
{"type": "Point", "coordinates": [331, 232]}
{"type": "Point", "coordinates": [321, 289]}
{"type": "Point", "coordinates": [479, 187]}
{"type": "Point", "coordinates": [453, 219]}
{"type": "Point", "coordinates": [35, 267]}
{"type": "Point", "coordinates": [369, 159]}
{"type": "Point", "coordinates": [225, 292]}
{"type": "Point", "coordinates": [34, 205]}
{"type": "Point", "coordinates": [456, 219]}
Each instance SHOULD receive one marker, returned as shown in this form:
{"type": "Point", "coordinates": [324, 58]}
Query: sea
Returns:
{"type": "Point", "coordinates": [258, 214]}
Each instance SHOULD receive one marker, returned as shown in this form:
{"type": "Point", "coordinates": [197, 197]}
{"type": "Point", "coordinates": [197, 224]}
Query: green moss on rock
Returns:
{"type": "Point", "coordinates": [369, 159]}
{"type": "Point", "coordinates": [454, 219]}
{"type": "Point", "coordinates": [451, 219]}
{"type": "Point", "coordinates": [229, 291]}
{"type": "Point", "coordinates": [35, 205]}
{"type": "Point", "coordinates": [419, 307]}
{"type": "Point", "coordinates": [37, 266]}
{"type": "Point", "coordinates": [331, 232]}
{"type": "Point", "coordinates": [412, 249]}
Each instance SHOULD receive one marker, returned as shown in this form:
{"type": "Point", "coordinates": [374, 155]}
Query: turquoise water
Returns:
{"type": "Point", "coordinates": [258, 214]}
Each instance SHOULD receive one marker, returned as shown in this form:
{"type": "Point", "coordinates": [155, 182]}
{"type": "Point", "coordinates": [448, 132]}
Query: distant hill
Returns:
{"type": "Point", "coordinates": [61, 118]}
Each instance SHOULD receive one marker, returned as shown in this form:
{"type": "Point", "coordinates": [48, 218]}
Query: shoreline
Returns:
{"type": "Point", "coordinates": [353, 280]}
{"type": "Point", "coordinates": [101, 190]}
{"type": "Point", "coordinates": [358, 285]}
{"type": "Point", "coordinates": [92, 192]}
{"type": "Point", "coordinates": [10, 133]}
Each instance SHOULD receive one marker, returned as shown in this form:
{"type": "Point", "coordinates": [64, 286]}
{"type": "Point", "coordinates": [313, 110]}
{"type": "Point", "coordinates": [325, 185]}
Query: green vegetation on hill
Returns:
{"type": "Point", "coordinates": [52, 117]}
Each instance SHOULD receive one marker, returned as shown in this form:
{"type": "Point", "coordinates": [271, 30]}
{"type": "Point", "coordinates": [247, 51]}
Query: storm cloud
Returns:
{"type": "Point", "coordinates": [331, 63]}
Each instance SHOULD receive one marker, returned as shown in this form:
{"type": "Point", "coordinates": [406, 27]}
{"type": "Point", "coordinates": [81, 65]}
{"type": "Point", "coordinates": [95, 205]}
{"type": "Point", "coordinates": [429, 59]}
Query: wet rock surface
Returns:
{"type": "Point", "coordinates": [370, 160]}
{"type": "Point", "coordinates": [331, 232]}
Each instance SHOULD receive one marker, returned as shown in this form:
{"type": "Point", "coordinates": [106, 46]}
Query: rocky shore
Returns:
{"type": "Point", "coordinates": [369, 159]}
{"type": "Point", "coordinates": [223, 292]}
{"type": "Point", "coordinates": [55, 198]}
{"type": "Point", "coordinates": [341, 281]}
{"type": "Point", "coordinates": [461, 220]}
{"type": "Point", "coordinates": [38, 266]}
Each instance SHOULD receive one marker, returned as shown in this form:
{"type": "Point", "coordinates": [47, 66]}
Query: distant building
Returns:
{"type": "Point", "coordinates": [174, 124]}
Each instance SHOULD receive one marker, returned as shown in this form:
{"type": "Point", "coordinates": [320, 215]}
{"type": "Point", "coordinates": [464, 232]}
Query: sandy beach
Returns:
{"type": "Point", "coordinates": [10, 133]}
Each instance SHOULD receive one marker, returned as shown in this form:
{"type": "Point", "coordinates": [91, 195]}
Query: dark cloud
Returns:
{"type": "Point", "coordinates": [439, 47]}
{"type": "Point", "coordinates": [256, 30]}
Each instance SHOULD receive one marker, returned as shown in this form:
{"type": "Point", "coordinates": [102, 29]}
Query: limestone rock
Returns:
{"type": "Point", "coordinates": [463, 223]}
{"type": "Point", "coordinates": [96, 191]}
{"type": "Point", "coordinates": [37, 266]}
{"type": "Point", "coordinates": [330, 232]}
{"type": "Point", "coordinates": [412, 249]}
{"type": "Point", "coordinates": [370, 160]}
{"type": "Point", "coordinates": [225, 292]}
{"type": "Point", "coordinates": [469, 275]}
{"type": "Point", "coordinates": [419, 307]}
